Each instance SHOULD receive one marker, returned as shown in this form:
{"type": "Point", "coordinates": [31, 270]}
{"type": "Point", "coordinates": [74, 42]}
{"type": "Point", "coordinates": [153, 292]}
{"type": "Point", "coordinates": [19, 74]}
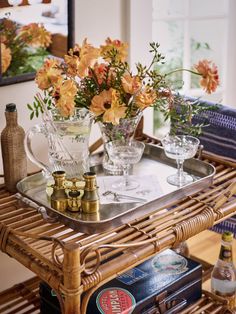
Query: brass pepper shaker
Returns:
{"type": "Point", "coordinates": [59, 197]}
{"type": "Point", "coordinates": [90, 199]}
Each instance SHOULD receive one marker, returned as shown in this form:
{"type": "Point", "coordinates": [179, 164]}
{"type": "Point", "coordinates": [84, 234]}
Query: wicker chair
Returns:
{"type": "Point", "coordinates": [219, 138]}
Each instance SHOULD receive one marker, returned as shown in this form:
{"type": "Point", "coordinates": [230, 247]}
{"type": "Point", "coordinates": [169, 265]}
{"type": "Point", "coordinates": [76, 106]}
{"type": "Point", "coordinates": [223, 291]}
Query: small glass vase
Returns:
{"type": "Point", "coordinates": [125, 130]}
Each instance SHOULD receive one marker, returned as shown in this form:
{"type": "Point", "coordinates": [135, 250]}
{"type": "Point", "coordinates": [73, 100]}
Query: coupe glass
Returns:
{"type": "Point", "coordinates": [124, 154]}
{"type": "Point", "coordinates": [180, 147]}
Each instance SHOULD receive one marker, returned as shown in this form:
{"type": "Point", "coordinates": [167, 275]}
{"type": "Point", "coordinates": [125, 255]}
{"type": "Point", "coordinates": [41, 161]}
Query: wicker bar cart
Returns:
{"type": "Point", "coordinates": [72, 263]}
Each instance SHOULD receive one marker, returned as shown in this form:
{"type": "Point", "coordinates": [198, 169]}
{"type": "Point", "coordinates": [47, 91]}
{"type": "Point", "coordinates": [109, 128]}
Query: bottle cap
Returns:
{"type": "Point", "coordinates": [10, 107]}
{"type": "Point", "coordinates": [227, 236]}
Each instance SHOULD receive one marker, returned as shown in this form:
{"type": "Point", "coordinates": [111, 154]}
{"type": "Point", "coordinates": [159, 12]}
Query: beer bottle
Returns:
{"type": "Point", "coordinates": [223, 277]}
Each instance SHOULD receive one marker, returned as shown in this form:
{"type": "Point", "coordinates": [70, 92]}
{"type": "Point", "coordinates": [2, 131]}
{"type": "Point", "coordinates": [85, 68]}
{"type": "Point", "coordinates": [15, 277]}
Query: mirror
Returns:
{"type": "Point", "coordinates": [30, 31]}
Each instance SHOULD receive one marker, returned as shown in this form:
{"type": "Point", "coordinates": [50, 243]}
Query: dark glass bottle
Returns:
{"type": "Point", "coordinates": [223, 277]}
{"type": "Point", "coordinates": [13, 152]}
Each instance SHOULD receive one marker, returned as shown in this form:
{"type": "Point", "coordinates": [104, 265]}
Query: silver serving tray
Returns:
{"type": "Point", "coordinates": [154, 161]}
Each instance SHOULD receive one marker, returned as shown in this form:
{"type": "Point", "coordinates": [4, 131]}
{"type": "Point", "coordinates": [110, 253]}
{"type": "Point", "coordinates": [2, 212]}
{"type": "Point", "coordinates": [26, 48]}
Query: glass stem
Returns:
{"type": "Point", "coordinates": [180, 170]}
{"type": "Point", "coordinates": [126, 175]}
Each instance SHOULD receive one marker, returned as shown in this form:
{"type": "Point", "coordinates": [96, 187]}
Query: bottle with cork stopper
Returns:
{"type": "Point", "coordinates": [13, 152]}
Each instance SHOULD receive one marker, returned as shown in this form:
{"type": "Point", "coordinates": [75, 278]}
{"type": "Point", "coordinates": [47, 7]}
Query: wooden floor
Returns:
{"type": "Point", "coordinates": [206, 245]}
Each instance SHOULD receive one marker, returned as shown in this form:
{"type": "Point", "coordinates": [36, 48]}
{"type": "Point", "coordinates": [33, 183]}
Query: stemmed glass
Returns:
{"type": "Point", "coordinates": [180, 147]}
{"type": "Point", "coordinates": [124, 154]}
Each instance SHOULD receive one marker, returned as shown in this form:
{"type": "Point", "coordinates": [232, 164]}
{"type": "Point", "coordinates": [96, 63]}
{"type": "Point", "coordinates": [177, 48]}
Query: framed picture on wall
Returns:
{"type": "Point", "coordinates": [30, 32]}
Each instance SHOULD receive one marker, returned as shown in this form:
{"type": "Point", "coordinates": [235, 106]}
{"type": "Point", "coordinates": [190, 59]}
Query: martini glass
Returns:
{"type": "Point", "coordinates": [125, 154]}
{"type": "Point", "coordinates": [180, 148]}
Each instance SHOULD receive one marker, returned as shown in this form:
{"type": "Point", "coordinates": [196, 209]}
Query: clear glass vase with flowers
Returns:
{"type": "Point", "coordinates": [100, 80]}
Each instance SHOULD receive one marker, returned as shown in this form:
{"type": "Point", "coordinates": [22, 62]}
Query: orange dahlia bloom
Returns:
{"type": "Point", "coordinates": [146, 98]}
{"type": "Point", "coordinates": [35, 35]}
{"type": "Point", "coordinates": [49, 74]}
{"type": "Point", "coordinates": [79, 59]}
{"type": "Point", "coordinates": [5, 57]}
{"type": "Point", "coordinates": [210, 76]}
{"type": "Point", "coordinates": [131, 84]}
{"type": "Point", "coordinates": [116, 44]}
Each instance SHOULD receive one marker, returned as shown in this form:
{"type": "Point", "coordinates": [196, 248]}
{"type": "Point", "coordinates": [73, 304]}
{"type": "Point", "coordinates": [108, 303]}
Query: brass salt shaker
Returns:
{"type": "Point", "coordinates": [59, 199]}
{"type": "Point", "coordinates": [90, 199]}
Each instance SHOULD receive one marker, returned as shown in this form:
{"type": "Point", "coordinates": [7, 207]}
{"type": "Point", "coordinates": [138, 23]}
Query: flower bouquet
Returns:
{"type": "Point", "coordinates": [100, 80]}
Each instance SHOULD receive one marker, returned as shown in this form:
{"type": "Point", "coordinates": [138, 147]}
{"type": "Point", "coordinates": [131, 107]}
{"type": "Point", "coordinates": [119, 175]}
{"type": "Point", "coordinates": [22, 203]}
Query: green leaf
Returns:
{"type": "Point", "coordinates": [29, 107]}
{"type": "Point", "coordinates": [31, 115]}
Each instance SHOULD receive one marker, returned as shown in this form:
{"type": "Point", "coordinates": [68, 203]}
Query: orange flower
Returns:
{"type": "Point", "coordinates": [131, 84]}
{"type": "Point", "coordinates": [100, 72]}
{"type": "Point", "coordinates": [49, 74]}
{"type": "Point", "coordinates": [107, 103]}
{"type": "Point", "coordinates": [79, 59]}
{"type": "Point", "coordinates": [120, 47]}
{"type": "Point", "coordinates": [146, 98]}
{"type": "Point", "coordinates": [100, 103]}
{"type": "Point", "coordinates": [6, 57]}
{"type": "Point", "coordinates": [210, 77]}
{"type": "Point", "coordinates": [35, 35]}
{"type": "Point", "coordinates": [116, 111]}
{"type": "Point", "coordinates": [65, 95]}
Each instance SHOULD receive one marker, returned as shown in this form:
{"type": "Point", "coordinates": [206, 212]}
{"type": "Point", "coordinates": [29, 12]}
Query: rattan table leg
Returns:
{"type": "Point", "coordinates": [72, 279]}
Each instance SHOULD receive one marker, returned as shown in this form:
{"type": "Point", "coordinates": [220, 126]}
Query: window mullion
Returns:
{"type": "Point", "coordinates": [187, 49]}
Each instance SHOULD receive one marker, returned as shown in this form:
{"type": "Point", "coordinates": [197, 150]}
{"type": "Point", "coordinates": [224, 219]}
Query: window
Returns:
{"type": "Point", "coordinates": [189, 30]}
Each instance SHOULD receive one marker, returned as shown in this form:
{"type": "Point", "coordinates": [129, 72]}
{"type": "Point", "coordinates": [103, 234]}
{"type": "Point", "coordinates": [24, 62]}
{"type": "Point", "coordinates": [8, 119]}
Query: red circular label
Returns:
{"type": "Point", "coordinates": [115, 301]}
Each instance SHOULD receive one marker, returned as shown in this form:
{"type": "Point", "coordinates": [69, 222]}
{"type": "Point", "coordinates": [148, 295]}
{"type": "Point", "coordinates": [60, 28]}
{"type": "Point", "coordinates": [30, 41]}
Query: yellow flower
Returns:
{"type": "Point", "coordinates": [116, 44]}
{"type": "Point", "coordinates": [131, 84]}
{"type": "Point", "coordinates": [146, 98]}
{"type": "Point", "coordinates": [35, 35]}
{"type": "Point", "coordinates": [79, 59]}
{"type": "Point", "coordinates": [6, 57]}
{"type": "Point", "coordinates": [210, 76]}
{"type": "Point", "coordinates": [49, 74]}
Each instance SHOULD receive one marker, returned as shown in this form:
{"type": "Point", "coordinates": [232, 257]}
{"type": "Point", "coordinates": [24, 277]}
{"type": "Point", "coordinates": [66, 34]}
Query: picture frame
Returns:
{"type": "Point", "coordinates": [56, 16]}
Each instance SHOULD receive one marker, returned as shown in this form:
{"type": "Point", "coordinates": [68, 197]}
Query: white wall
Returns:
{"type": "Point", "coordinates": [95, 20]}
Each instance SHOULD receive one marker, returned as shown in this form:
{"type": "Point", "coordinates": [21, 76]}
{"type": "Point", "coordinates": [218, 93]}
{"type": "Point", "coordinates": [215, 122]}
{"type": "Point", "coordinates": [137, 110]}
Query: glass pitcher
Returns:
{"type": "Point", "coordinates": [68, 142]}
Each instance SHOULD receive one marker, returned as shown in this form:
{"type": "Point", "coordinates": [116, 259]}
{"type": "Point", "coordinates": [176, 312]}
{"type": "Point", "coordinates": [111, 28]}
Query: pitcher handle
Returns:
{"type": "Point", "coordinates": [36, 129]}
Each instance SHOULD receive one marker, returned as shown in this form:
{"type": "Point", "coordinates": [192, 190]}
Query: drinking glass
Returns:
{"type": "Point", "coordinates": [180, 147]}
{"type": "Point", "coordinates": [124, 154]}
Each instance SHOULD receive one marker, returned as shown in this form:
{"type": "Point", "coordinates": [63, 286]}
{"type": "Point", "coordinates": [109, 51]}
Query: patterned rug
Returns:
{"type": "Point", "coordinates": [227, 225]}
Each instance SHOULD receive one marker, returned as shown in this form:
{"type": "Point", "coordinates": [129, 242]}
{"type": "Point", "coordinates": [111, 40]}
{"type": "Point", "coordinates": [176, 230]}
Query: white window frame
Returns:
{"type": "Point", "coordinates": [137, 30]}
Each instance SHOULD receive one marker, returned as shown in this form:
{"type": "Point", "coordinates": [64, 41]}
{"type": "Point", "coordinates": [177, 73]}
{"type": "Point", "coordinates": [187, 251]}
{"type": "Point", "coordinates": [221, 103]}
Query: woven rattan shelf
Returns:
{"type": "Point", "coordinates": [24, 298]}
{"type": "Point", "coordinates": [73, 263]}
{"type": "Point", "coordinates": [21, 298]}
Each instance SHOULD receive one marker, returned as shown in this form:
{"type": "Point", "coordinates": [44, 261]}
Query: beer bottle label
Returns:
{"type": "Point", "coordinates": [226, 253]}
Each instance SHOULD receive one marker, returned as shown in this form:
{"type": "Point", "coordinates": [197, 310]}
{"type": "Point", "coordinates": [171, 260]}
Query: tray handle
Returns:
{"type": "Point", "coordinates": [40, 209]}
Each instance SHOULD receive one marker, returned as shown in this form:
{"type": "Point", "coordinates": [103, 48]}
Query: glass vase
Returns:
{"type": "Point", "coordinates": [125, 130]}
{"type": "Point", "coordinates": [67, 141]}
